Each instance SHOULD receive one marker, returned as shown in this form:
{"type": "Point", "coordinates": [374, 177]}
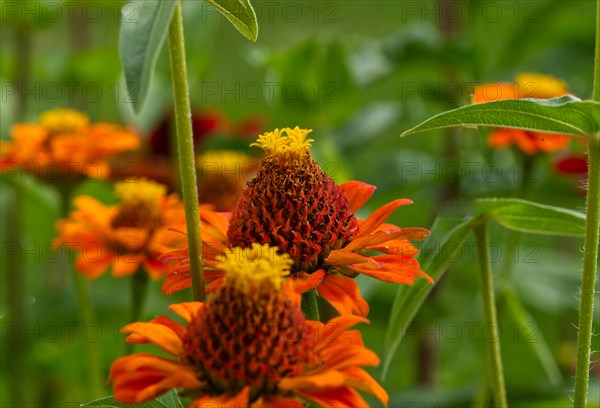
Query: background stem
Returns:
{"type": "Point", "coordinates": [491, 319]}
{"type": "Point", "coordinates": [139, 289]}
{"type": "Point", "coordinates": [310, 306]}
{"type": "Point", "coordinates": [185, 148]}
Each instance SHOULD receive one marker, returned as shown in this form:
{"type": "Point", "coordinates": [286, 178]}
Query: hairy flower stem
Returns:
{"type": "Point", "coordinates": [139, 290]}
{"type": "Point", "coordinates": [496, 373]}
{"type": "Point", "coordinates": [185, 148]}
{"type": "Point", "coordinates": [588, 282]}
{"type": "Point", "coordinates": [310, 306]}
{"type": "Point", "coordinates": [590, 246]}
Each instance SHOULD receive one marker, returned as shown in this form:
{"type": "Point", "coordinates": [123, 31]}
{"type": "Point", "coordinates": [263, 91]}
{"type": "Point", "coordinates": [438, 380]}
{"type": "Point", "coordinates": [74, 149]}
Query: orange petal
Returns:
{"type": "Point", "coordinates": [223, 401]}
{"type": "Point", "coordinates": [343, 294]}
{"type": "Point", "coordinates": [323, 379]}
{"type": "Point", "coordinates": [142, 377]}
{"type": "Point", "coordinates": [158, 334]}
{"type": "Point", "coordinates": [125, 265]}
{"type": "Point", "coordinates": [361, 380]}
{"type": "Point", "coordinates": [494, 91]}
{"type": "Point", "coordinates": [176, 327]}
{"type": "Point", "coordinates": [380, 215]}
{"type": "Point", "coordinates": [217, 220]}
{"type": "Point", "coordinates": [92, 266]}
{"type": "Point", "coordinates": [341, 355]}
{"type": "Point", "coordinates": [175, 282]}
{"type": "Point", "coordinates": [394, 269]}
{"type": "Point", "coordinates": [343, 397]}
{"type": "Point", "coordinates": [337, 326]}
{"type": "Point", "coordinates": [341, 257]}
{"type": "Point", "coordinates": [397, 247]}
{"type": "Point", "coordinates": [305, 281]}
{"type": "Point", "coordinates": [187, 310]}
{"type": "Point", "coordinates": [357, 193]}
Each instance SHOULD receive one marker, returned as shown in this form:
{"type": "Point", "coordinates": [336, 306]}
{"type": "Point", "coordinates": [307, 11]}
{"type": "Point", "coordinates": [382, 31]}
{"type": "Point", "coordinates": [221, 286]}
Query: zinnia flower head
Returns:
{"type": "Point", "coordinates": [249, 344]}
{"type": "Point", "coordinates": [64, 143]}
{"type": "Point", "coordinates": [222, 177]}
{"type": "Point", "coordinates": [293, 205]}
{"type": "Point", "coordinates": [124, 236]}
{"type": "Point", "coordinates": [527, 85]}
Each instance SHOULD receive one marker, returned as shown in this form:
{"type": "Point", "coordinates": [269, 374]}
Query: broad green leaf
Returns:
{"type": "Point", "coordinates": [241, 14]}
{"type": "Point", "coordinates": [565, 115]}
{"type": "Point", "coordinates": [169, 399]}
{"type": "Point", "coordinates": [144, 26]}
{"type": "Point", "coordinates": [444, 244]}
{"type": "Point", "coordinates": [526, 216]}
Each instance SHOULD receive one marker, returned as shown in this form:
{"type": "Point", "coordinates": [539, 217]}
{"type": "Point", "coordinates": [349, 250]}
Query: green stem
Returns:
{"type": "Point", "coordinates": [596, 86]}
{"type": "Point", "coordinates": [86, 315]}
{"type": "Point", "coordinates": [185, 147]}
{"type": "Point", "coordinates": [588, 283]}
{"type": "Point", "coordinates": [491, 318]}
{"type": "Point", "coordinates": [310, 306]}
{"type": "Point", "coordinates": [139, 289]}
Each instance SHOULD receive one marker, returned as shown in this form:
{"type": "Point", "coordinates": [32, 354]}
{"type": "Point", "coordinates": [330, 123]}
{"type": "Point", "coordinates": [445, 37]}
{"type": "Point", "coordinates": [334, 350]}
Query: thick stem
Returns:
{"type": "Point", "coordinates": [310, 306]}
{"type": "Point", "coordinates": [491, 319]}
{"type": "Point", "coordinates": [86, 315]}
{"type": "Point", "coordinates": [596, 86]}
{"type": "Point", "coordinates": [185, 148]}
{"type": "Point", "coordinates": [590, 265]}
{"type": "Point", "coordinates": [139, 289]}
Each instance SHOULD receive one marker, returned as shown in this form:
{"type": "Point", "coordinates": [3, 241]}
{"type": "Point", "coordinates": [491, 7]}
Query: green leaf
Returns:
{"type": "Point", "coordinates": [445, 243]}
{"type": "Point", "coordinates": [241, 14]}
{"type": "Point", "coordinates": [526, 216]}
{"type": "Point", "coordinates": [169, 399]}
{"type": "Point", "coordinates": [144, 26]}
{"type": "Point", "coordinates": [565, 115]}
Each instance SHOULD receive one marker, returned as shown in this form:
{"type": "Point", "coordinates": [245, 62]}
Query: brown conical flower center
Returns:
{"type": "Point", "coordinates": [250, 334]}
{"type": "Point", "coordinates": [140, 204]}
{"type": "Point", "coordinates": [292, 204]}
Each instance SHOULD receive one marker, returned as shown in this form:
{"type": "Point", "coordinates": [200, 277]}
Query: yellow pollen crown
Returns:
{"type": "Point", "coordinates": [249, 267]}
{"type": "Point", "coordinates": [139, 191]}
{"type": "Point", "coordinates": [63, 120]}
{"type": "Point", "coordinates": [285, 143]}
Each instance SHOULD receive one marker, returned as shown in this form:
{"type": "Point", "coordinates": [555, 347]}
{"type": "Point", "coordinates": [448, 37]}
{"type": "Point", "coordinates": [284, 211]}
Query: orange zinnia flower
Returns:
{"type": "Point", "coordinates": [127, 235]}
{"type": "Point", "coordinates": [525, 86]}
{"type": "Point", "coordinates": [249, 344]}
{"type": "Point", "coordinates": [292, 204]}
{"type": "Point", "coordinates": [64, 143]}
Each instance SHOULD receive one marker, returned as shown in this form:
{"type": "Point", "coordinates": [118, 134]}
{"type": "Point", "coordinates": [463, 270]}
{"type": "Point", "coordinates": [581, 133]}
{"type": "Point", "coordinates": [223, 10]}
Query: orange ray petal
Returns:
{"type": "Point", "coordinates": [187, 310]}
{"type": "Point", "coordinates": [396, 247]}
{"type": "Point", "coordinates": [341, 257]}
{"type": "Point", "coordinates": [158, 334]}
{"type": "Point", "coordinates": [394, 269]}
{"type": "Point", "coordinates": [125, 265]}
{"type": "Point", "coordinates": [379, 216]}
{"type": "Point", "coordinates": [277, 402]}
{"type": "Point", "coordinates": [176, 327]}
{"type": "Point", "coordinates": [361, 380]}
{"type": "Point", "coordinates": [223, 401]}
{"type": "Point", "coordinates": [357, 193]}
{"type": "Point", "coordinates": [343, 294]}
{"type": "Point", "coordinates": [217, 220]}
{"type": "Point", "coordinates": [343, 397]}
{"type": "Point", "coordinates": [93, 266]}
{"type": "Point", "coordinates": [334, 328]}
{"type": "Point", "coordinates": [323, 379]}
{"type": "Point", "coordinates": [342, 355]}
{"type": "Point", "coordinates": [305, 281]}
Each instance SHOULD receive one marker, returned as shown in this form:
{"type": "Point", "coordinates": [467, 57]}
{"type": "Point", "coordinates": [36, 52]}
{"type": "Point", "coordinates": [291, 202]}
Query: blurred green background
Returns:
{"type": "Point", "coordinates": [358, 73]}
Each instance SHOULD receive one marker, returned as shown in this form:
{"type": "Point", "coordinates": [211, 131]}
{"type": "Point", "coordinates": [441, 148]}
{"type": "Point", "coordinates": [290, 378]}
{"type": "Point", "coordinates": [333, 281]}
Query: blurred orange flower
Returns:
{"type": "Point", "coordinates": [292, 204]}
{"type": "Point", "coordinates": [250, 344]}
{"type": "Point", "coordinates": [125, 236]}
{"type": "Point", "coordinates": [222, 175]}
{"type": "Point", "coordinates": [63, 143]}
{"type": "Point", "coordinates": [526, 85]}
